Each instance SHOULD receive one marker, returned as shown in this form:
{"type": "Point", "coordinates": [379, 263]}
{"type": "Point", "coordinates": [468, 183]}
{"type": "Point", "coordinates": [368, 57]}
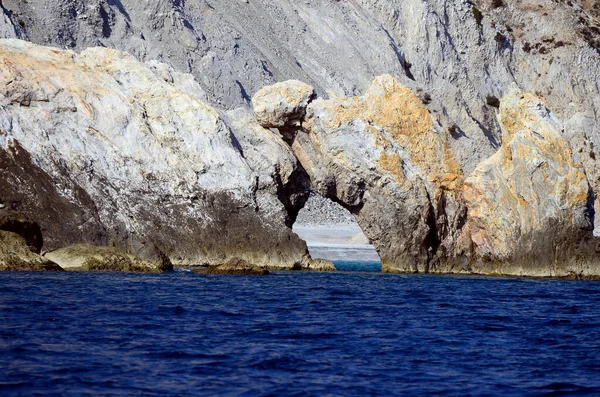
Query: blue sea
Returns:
{"type": "Point", "coordinates": [297, 334]}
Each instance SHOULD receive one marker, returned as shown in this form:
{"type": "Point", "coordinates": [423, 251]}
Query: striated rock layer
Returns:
{"type": "Point", "coordinates": [99, 148]}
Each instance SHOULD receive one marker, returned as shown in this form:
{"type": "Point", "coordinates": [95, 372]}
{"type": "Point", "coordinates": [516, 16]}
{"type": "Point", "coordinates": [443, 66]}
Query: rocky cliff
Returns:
{"type": "Point", "coordinates": [100, 148]}
{"type": "Point", "coordinates": [527, 210]}
{"type": "Point", "coordinates": [460, 56]}
{"type": "Point", "coordinates": [144, 156]}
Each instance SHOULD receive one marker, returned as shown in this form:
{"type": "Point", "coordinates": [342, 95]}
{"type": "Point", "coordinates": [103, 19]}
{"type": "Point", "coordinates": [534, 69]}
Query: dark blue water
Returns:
{"type": "Point", "coordinates": [298, 334]}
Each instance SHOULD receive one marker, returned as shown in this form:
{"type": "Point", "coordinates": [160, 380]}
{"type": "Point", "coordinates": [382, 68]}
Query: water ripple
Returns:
{"type": "Point", "coordinates": [296, 334]}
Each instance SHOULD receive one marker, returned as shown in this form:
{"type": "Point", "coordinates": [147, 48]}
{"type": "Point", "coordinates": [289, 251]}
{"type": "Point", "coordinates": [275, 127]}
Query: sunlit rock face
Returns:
{"type": "Point", "coordinates": [459, 56]}
{"type": "Point", "coordinates": [530, 205]}
{"type": "Point", "coordinates": [530, 184]}
{"type": "Point", "coordinates": [101, 148]}
{"type": "Point", "coordinates": [382, 156]}
{"type": "Point", "coordinates": [526, 210]}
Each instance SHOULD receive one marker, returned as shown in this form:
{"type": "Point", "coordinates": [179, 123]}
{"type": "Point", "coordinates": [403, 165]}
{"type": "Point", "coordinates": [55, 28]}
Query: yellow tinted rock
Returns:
{"type": "Point", "coordinates": [282, 104]}
{"type": "Point", "coordinates": [530, 185]}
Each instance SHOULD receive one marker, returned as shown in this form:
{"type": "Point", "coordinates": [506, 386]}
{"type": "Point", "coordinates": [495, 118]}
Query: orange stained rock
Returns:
{"type": "Point", "coordinates": [531, 182]}
{"type": "Point", "coordinates": [395, 116]}
{"type": "Point", "coordinates": [86, 77]}
{"type": "Point", "coordinates": [392, 163]}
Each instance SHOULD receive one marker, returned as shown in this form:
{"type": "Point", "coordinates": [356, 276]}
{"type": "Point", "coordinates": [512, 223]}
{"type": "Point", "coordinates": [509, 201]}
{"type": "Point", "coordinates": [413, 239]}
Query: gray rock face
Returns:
{"type": "Point", "coordinates": [135, 158]}
{"type": "Point", "coordinates": [324, 212]}
{"type": "Point", "coordinates": [459, 56]}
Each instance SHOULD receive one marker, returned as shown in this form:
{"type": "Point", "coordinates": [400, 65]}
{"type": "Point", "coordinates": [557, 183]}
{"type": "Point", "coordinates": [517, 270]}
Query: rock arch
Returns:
{"type": "Point", "coordinates": [381, 157]}
{"type": "Point", "coordinates": [527, 210]}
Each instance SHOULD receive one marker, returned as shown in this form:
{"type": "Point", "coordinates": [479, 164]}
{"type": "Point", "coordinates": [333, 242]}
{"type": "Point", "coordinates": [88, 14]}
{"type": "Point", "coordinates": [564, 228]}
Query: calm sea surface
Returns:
{"type": "Point", "coordinates": [299, 334]}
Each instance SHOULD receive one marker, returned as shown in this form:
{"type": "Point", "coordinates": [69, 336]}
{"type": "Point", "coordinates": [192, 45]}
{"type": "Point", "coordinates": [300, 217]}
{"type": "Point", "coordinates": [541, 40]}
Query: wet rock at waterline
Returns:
{"type": "Point", "coordinates": [91, 258]}
{"type": "Point", "coordinates": [237, 267]}
{"type": "Point", "coordinates": [15, 255]}
{"type": "Point", "coordinates": [321, 265]}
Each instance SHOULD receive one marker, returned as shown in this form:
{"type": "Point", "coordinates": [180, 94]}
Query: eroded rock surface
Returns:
{"type": "Point", "coordinates": [383, 157]}
{"type": "Point", "coordinates": [100, 148]}
{"type": "Point", "coordinates": [15, 255]}
{"type": "Point", "coordinates": [235, 267]}
{"type": "Point", "coordinates": [459, 56]}
{"type": "Point", "coordinates": [527, 210]}
{"type": "Point", "coordinates": [530, 205]}
{"type": "Point", "coordinates": [91, 258]}
{"type": "Point", "coordinates": [282, 104]}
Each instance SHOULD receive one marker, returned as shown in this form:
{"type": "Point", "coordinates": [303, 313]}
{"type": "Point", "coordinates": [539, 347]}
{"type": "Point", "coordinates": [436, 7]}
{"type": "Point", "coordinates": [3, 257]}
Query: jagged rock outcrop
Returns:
{"type": "Point", "coordinates": [15, 255]}
{"type": "Point", "coordinates": [91, 258]}
{"type": "Point", "coordinates": [530, 205]}
{"type": "Point", "coordinates": [100, 148]}
{"type": "Point", "coordinates": [458, 56]}
{"type": "Point", "coordinates": [383, 157]}
{"type": "Point", "coordinates": [527, 210]}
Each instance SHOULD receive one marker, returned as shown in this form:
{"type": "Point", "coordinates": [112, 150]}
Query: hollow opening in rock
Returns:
{"type": "Point", "coordinates": [331, 232]}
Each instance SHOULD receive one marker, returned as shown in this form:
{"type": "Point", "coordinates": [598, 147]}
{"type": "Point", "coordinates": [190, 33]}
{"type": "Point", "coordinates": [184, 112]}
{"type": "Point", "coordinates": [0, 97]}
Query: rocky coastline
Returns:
{"type": "Point", "coordinates": [114, 161]}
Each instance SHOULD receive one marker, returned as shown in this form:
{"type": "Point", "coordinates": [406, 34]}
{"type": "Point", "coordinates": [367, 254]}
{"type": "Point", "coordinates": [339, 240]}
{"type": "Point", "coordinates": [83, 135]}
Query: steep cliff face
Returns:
{"type": "Point", "coordinates": [530, 184]}
{"type": "Point", "coordinates": [530, 205]}
{"type": "Point", "coordinates": [88, 134]}
{"type": "Point", "coordinates": [458, 56]}
{"type": "Point", "coordinates": [100, 148]}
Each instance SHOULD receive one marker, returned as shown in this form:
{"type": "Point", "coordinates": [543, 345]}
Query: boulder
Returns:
{"type": "Point", "coordinates": [86, 257]}
{"type": "Point", "coordinates": [16, 255]}
{"type": "Point", "coordinates": [320, 265]}
{"type": "Point", "coordinates": [238, 267]}
{"type": "Point", "coordinates": [282, 104]}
